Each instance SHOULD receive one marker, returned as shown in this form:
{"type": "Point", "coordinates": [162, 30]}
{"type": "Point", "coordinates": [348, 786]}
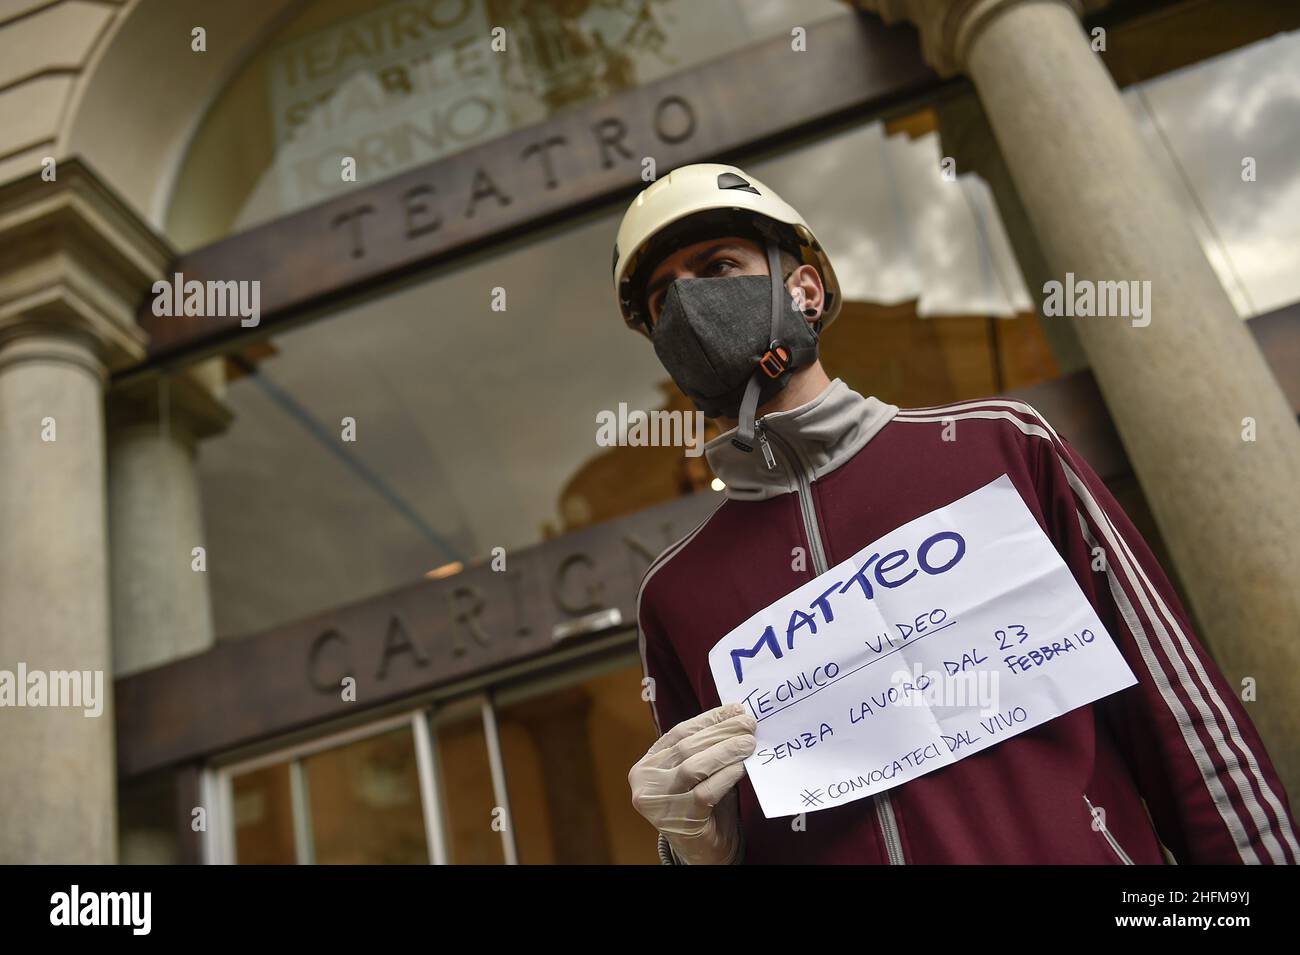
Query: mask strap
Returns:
{"type": "Point", "coordinates": [744, 438]}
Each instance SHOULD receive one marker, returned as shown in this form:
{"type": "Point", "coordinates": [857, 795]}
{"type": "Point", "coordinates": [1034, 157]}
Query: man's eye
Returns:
{"type": "Point", "coordinates": [718, 264]}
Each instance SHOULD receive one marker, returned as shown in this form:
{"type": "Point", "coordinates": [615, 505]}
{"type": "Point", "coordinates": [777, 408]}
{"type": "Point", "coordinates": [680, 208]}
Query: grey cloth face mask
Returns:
{"type": "Point", "coordinates": [713, 335]}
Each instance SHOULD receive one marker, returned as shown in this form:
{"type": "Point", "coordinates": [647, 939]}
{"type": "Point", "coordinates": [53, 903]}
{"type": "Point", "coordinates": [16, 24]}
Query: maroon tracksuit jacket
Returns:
{"type": "Point", "coordinates": [843, 470]}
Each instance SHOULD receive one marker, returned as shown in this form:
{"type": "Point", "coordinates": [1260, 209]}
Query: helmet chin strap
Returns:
{"type": "Point", "coordinates": [744, 438]}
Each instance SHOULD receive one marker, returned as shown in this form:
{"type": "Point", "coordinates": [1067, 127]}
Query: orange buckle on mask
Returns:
{"type": "Point", "coordinates": [775, 360]}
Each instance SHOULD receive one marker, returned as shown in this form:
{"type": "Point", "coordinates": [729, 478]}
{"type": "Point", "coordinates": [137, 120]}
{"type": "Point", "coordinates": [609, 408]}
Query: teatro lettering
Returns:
{"type": "Point", "coordinates": [937, 554]}
{"type": "Point", "coordinates": [545, 163]}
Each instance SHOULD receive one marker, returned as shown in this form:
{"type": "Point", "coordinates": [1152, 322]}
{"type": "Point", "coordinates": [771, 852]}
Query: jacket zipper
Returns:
{"type": "Point", "coordinates": [1114, 843]}
{"type": "Point", "coordinates": [884, 807]}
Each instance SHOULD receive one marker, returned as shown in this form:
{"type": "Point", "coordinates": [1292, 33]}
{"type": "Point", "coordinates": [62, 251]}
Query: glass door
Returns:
{"type": "Point", "coordinates": [531, 772]}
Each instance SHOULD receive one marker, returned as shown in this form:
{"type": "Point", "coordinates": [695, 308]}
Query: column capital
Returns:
{"type": "Point", "coordinates": [948, 26]}
{"type": "Point", "coordinates": [76, 258]}
{"type": "Point", "coordinates": [194, 409]}
{"type": "Point", "coordinates": [57, 344]}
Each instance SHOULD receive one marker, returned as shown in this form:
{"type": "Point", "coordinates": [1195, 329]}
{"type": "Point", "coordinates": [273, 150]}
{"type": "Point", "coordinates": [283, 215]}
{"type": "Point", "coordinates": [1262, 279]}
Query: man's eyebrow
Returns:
{"type": "Point", "coordinates": [694, 262]}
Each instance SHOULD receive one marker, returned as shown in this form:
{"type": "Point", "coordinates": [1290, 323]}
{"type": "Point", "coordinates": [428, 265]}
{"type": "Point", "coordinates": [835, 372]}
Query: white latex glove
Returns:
{"type": "Point", "coordinates": [685, 784]}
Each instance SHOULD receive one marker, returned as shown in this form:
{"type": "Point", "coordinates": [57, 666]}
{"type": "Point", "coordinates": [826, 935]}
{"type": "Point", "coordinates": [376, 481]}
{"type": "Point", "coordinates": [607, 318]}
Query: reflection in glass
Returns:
{"type": "Point", "coordinates": [468, 801]}
{"type": "Point", "coordinates": [263, 811]}
{"type": "Point", "coordinates": [365, 802]}
{"type": "Point", "coordinates": [567, 755]}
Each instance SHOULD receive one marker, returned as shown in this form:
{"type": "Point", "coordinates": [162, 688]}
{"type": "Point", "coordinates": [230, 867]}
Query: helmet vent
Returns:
{"type": "Point", "coordinates": [729, 180]}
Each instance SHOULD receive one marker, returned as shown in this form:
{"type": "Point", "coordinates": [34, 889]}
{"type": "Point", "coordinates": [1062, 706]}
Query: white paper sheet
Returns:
{"type": "Point", "coordinates": [948, 635]}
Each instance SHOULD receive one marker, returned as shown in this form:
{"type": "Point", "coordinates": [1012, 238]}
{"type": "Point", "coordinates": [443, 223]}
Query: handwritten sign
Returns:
{"type": "Point", "coordinates": [948, 635]}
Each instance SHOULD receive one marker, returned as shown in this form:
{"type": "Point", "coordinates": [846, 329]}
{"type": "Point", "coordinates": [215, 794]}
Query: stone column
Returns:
{"type": "Point", "coordinates": [162, 607]}
{"type": "Point", "coordinates": [56, 777]}
{"type": "Point", "coordinates": [73, 263]}
{"type": "Point", "coordinates": [966, 136]}
{"type": "Point", "coordinates": [1182, 389]}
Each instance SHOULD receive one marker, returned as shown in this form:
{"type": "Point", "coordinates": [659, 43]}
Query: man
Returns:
{"type": "Point", "coordinates": [812, 466]}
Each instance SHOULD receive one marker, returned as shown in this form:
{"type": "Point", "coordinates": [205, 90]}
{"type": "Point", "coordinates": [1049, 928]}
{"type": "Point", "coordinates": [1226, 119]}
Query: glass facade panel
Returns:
{"type": "Point", "coordinates": [437, 382]}
{"type": "Point", "coordinates": [396, 84]}
{"type": "Point", "coordinates": [567, 754]}
{"type": "Point", "coordinates": [440, 470]}
{"type": "Point", "coordinates": [1223, 132]}
{"type": "Point", "coordinates": [566, 751]}
{"type": "Point", "coordinates": [468, 800]}
{"type": "Point", "coordinates": [263, 817]}
{"type": "Point", "coordinates": [365, 802]}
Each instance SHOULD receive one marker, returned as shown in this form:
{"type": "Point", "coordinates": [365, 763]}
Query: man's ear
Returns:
{"type": "Point", "coordinates": [805, 286]}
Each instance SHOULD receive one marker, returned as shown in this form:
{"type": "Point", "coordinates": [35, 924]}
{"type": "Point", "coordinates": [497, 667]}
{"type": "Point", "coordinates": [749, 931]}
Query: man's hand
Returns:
{"type": "Point", "coordinates": [685, 785]}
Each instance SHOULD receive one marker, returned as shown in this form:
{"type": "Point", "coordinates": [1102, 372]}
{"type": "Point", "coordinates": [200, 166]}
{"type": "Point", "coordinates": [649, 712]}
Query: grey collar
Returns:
{"type": "Point", "coordinates": [824, 433]}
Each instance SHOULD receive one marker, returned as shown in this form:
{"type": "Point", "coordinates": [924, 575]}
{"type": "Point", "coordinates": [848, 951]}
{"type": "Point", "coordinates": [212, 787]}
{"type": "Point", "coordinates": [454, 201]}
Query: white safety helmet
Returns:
{"type": "Point", "coordinates": [700, 201]}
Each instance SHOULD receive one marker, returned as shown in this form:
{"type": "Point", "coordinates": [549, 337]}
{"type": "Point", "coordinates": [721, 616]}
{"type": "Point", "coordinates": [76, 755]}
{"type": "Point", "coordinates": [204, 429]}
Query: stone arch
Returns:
{"type": "Point", "coordinates": [142, 57]}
